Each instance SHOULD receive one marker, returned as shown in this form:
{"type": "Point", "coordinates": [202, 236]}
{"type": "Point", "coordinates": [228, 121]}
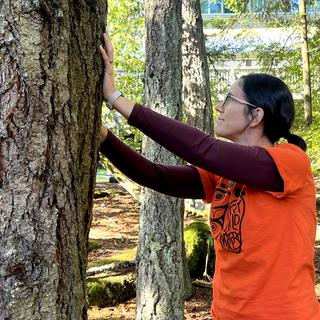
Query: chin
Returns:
{"type": "Point", "coordinates": [222, 135]}
{"type": "Point", "coordinates": [219, 133]}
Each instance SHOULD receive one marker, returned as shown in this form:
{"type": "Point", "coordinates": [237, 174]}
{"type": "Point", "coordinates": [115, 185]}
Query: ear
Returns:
{"type": "Point", "coordinates": [257, 118]}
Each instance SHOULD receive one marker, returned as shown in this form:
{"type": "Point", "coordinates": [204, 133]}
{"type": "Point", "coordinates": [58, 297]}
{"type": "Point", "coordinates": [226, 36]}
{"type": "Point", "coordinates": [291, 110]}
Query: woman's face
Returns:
{"type": "Point", "coordinates": [233, 119]}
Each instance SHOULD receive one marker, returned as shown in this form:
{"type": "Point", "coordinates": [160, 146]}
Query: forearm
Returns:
{"type": "Point", "coordinates": [248, 165]}
{"type": "Point", "coordinates": [178, 181]}
{"type": "Point", "coordinates": [124, 106]}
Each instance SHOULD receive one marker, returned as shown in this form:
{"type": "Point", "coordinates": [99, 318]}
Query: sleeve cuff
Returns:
{"type": "Point", "coordinates": [134, 114]}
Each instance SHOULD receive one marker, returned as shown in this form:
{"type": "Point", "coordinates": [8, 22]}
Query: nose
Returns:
{"type": "Point", "coordinates": [219, 107]}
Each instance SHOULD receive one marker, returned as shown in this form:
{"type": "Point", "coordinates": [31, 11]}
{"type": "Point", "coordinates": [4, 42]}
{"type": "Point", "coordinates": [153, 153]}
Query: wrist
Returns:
{"type": "Point", "coordinates": [115, 95]}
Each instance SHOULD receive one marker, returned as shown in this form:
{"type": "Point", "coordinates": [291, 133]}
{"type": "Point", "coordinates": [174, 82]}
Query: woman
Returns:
{"type": "Point", "coordinates": [262, 195]}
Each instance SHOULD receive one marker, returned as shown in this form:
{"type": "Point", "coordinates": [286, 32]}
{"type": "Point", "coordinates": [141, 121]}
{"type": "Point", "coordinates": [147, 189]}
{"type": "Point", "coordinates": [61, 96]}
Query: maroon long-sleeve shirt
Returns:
{"type": "Point", "coordinates": [246, 165]}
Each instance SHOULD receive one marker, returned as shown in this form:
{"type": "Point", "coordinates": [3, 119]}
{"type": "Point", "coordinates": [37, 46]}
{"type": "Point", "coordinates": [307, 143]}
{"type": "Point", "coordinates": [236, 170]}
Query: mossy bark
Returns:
{"type": "Point", "coordinates": [50, 115]}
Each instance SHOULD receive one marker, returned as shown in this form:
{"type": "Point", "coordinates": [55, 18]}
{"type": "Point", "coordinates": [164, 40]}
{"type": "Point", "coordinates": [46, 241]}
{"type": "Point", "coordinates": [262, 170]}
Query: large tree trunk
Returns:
{"type": "Point", "coordinates": [50, 115]}
{"type": "Point", "coordinates": [160, 264]}
{"type": "Point", "coordinates": [305, 64]}
{"type": "Point", "coordinates": [197, 106]}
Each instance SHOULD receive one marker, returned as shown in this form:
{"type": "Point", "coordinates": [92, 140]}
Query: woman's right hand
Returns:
{"type": "Point", "coordinates": [122, 105]}
{"type": "Point", "coordinates": [107, 53]}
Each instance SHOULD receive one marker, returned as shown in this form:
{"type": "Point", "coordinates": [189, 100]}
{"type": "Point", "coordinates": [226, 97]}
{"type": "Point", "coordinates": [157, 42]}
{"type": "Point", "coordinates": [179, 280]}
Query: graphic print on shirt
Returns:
{"type": "Point", "coordinates": [226, 216]}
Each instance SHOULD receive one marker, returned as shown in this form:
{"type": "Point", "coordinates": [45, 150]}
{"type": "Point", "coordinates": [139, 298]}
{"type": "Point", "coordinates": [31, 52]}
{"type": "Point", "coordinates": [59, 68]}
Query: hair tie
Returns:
{"type": "Point", "coordinates": [287, 135]}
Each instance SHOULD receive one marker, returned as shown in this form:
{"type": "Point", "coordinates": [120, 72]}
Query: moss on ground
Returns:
{"type": "Point", "coordinates": [196, 237]}
{"type": "Point", "coordinates": [103, 292]}
{"type": "Point", "coordinates": [93, 245]}
{"type": "Point", "coordinates": [110, 290]}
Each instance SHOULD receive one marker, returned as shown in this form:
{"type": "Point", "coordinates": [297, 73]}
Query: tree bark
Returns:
{"type": "Point", "coordinates": [50, 101]}
{"type": "Point", "coordinates": [305, 64]}
{"type": "Point", "coordinates": [197, 105]}
{"type": "Point", "coordinates": [160, 263]}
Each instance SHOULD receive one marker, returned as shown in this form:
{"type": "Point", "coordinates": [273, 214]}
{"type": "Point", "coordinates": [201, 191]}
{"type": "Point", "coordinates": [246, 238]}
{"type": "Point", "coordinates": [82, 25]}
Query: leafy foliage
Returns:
{"type": "Point", "coordinates": [286, 63]}
{"type": "Point", "coordinates": [282, 59]}
{"type": "Point", "coordinates": [236, 5]}
{"type": "Point", "coordinates": [126, 29]}
{"type": "Point", "coordinates": [312, 137]}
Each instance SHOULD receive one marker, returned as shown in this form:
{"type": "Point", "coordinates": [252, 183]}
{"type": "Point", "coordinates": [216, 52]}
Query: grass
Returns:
{"type": "Point", "coordinates": [100, 179]}
{"type": "Point", "coordinates": [129, 255]}
{"type": "Point", "coordinates": [202, 213]}
{"type": "Point", "coordinates": [112, 279]}
{"type": "Point", "coordinates": [93, 245]}
{"type": "Point", "coordinates": [102, 175]}
{"type": "Point", "coordinates": [102, 172]}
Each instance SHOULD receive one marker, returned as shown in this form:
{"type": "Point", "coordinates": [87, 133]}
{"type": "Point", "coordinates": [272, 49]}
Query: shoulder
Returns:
{"type": "Point", "coordinates": [209, 183]}
{"type": "Point", "coordinates": [293, 165]}
{"type": "Point", "coordinates": [289, 154]}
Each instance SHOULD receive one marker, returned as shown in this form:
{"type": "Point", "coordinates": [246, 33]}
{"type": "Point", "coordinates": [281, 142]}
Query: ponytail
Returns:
{"type": "Point", "coordinates": [296, 140]}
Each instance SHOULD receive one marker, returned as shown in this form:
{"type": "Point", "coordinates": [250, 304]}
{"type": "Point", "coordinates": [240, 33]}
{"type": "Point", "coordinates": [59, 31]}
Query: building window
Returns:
{"type": "Point", "coordinates": [218, 7]}
{"type": "Point", "coordinates": [257, 5]}
{"type": "Point", "coordinates": [214, 7]}
{"type": "Point", "coordinates": [295, 6]}
{"type": "Point", "coordinates": [204, 6]}
{"type": "Point", "coordinates": [315, 7]}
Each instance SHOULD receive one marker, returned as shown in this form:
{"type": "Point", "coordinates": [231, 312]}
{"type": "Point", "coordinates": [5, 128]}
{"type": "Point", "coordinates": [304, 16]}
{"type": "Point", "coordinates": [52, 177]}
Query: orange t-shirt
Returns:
{"type": "Point", "coordinates": [264, 243]}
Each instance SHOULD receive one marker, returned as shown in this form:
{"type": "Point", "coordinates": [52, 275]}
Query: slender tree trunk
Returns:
{"type": "Point", "coordinates": [197, 106]}
{"type": "Point", "coordinates": [49, 120]}
{"type": "Point", "coordinates": [160, 264]}
{"type": "Point", "coordinates": [305, 64]}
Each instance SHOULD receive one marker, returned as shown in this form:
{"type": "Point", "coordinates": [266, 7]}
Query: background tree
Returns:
{"type": "Point", "coordinates": [283, 59]}
{"type": "Point", "coordinates": [160, 264]}
{"type": "Point", "coordinates": [197, 106]}
{"type": "Point", "coordinates": [305, 64]}
{"type": "Point", "coordinates": [50, 101]}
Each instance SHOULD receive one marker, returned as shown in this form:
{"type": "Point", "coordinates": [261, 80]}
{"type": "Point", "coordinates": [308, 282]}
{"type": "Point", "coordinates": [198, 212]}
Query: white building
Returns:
{"type": "Point", "coordinates": [243, 40]}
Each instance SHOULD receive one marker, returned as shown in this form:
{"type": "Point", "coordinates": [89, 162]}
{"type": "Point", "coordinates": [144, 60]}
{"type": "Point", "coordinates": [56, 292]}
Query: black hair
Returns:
{"type": "Point", "coordinates": [274, 97]}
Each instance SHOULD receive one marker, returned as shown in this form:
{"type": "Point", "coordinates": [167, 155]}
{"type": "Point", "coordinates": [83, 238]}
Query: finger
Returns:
{"type": "Point", "coordinates": [104, 56]}
{"type": "Point", "coordinates": [108, 46]}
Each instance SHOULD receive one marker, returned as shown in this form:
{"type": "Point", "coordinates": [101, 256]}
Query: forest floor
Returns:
{"type": "Point", "coordinates": [115, 227]}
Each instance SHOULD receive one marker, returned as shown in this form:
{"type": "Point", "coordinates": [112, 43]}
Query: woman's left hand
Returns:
{"type": "Point", "coordinates": [103, 133]}
{"type": "Point", "coordinates": [107, 53]}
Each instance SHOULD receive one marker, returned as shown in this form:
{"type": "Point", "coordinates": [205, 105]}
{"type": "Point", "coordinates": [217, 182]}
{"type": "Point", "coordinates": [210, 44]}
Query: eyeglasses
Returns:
{"type": "Point", "coordinates": [230, 96]}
